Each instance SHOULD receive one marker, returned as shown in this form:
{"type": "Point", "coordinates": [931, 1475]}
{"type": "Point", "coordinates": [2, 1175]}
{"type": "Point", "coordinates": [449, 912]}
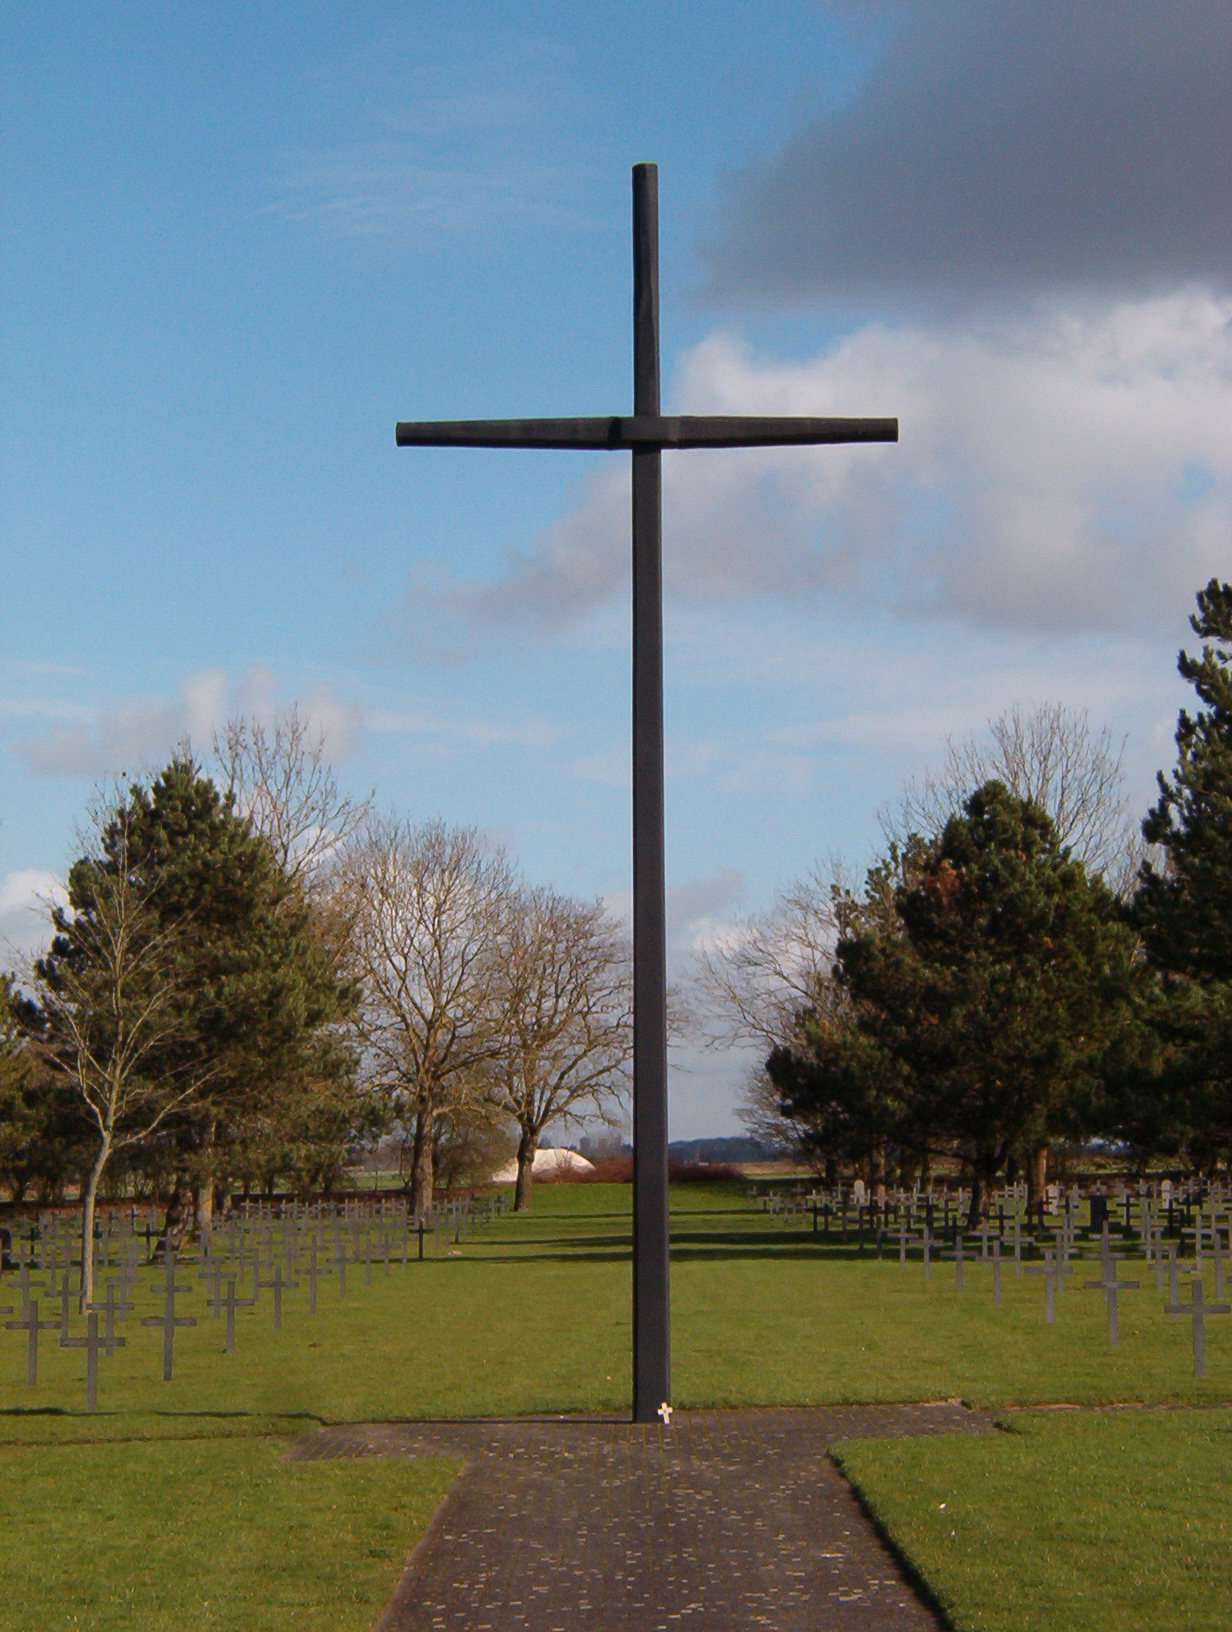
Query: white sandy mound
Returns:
{"type": "Point", "coordinates": [547, 1164]}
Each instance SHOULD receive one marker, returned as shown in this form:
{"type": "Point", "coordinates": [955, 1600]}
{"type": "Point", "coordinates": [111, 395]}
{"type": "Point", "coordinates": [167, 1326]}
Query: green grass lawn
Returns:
{"type": "Point", "coordinates": [1069, 1522]}
{"type": "Point", "coordinates": [178, 1536]}
{"type": "Point", "coordinates": [532, 1315]}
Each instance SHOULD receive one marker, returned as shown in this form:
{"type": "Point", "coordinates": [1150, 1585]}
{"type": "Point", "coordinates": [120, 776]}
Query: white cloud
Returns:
{"type": "Point", "coordinates": [1067, 470]}
{"type": "Point", "coordinates": [694, 911]}
{"type": "Point", "coordinates": [25, 897]}
{"type": "Point", "coordinates": [449, 150]}
{"type": "Point", "coordinates": [109, 739]}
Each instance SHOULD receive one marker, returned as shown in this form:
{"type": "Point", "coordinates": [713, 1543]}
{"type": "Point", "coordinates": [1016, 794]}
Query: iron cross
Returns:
{"type": "Point", "coordinates": [645, 435]}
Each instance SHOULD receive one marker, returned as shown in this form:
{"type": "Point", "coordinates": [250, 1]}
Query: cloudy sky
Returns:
{"type": "Point", "coordinates": [242, 241]}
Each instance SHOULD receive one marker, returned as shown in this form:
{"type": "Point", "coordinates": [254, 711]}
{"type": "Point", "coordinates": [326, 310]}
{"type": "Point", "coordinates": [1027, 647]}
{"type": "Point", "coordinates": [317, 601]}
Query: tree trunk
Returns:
{"type": "Point", "coordinates": [203, 1205]}
{"type": "Point", "coordinates": [877, 1175]}
{"type": "Point", "coordinates": [173, 1221]}
{"type": "Point", "coordinates": [1037, 1179]}
{"type": "Point", "coordinates": [527, 1145]}
{"type": "Point", "coordinates": [203, 1190]}
{"type": "Point", "coordinates": [982, 1177]}
{"type": "Point", "coordinates": [422, 1173]}
{"type": "Point", "coordinates": [89, 1195]}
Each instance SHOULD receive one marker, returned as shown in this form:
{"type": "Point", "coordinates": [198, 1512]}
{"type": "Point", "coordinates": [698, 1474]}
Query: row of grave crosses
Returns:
{"type": "Point", "coordinates": [266, 1250]}
{"type": "Point", "coordinates": [1154, 1225]}
{"type": "Point", "coordinates": [1057, 1264]}
{"type": "Point", "coordinates": [1150, 1210]}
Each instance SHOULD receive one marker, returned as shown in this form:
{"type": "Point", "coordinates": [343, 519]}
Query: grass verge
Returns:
{"type": "Point", "coordinates": [178, 1536]}
{"type": "Point", "coordinates": [1074, 1520]}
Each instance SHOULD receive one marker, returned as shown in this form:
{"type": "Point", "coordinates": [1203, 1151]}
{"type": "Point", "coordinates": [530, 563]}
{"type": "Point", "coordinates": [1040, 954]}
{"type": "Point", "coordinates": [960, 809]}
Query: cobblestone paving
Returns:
{"type": "Point", "coordinates": [725, 1521]}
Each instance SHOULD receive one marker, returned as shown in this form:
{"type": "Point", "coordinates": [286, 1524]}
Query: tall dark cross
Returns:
{"type": "Point", "coordinates": [645, 435]}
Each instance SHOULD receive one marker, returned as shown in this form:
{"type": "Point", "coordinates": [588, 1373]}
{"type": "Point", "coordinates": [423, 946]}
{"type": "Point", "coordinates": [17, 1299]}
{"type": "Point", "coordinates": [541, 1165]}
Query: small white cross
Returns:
{"type": "Point", "coordinates": [665, 1411]}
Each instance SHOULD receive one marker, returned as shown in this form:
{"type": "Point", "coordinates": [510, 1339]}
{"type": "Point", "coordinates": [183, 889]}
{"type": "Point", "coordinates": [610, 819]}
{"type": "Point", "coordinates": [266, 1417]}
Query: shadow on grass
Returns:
{"type": "Point", "coordinates": [67, 1414]}
{"type": "Point", "coordinates": [615, 1255]}
{"type": "Point", "coordinates": [696, 1249]}
{"type": "Point", "coordinates": [222, 1416]}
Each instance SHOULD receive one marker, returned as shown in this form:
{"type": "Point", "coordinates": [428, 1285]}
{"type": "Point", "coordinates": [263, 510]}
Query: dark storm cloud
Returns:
{"type": "Point", "coordinates": [1003, 147]}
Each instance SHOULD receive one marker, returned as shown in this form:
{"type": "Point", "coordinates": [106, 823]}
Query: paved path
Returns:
{"type": "Point", "coordinates": [725, 1522]}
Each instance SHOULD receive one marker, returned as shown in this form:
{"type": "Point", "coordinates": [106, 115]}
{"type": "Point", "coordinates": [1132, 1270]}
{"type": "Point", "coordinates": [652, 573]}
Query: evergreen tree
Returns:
{"type": "Point", "coordinates": [992, 998]}
{"type": "Point", "coordinates": [43, 1141]}
{"type": "Point", "coordinates": [1184, 910]}
{"type": "Point", "coordinates": [845, 1096]}
{"type": "Point", "coordinates": [260, 1000]}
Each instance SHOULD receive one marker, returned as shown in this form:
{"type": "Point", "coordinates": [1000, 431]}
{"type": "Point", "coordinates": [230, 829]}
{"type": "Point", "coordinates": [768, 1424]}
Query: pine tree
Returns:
{"type": "Point", "coordinates": [1184, 911]}
{"type": "Point", "coordinates": [1000, 986]}
{"type": "Point", "coordinates": [260, 997]}
{"type": "Point", "coordinates": [191, 1002]}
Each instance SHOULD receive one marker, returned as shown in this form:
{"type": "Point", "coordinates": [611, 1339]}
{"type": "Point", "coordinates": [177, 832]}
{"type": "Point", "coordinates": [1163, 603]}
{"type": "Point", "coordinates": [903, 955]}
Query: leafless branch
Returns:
{"type": "Point", "coordinates": [1053, 756]}
{"type": "Point", "coordinates": [281, 780]}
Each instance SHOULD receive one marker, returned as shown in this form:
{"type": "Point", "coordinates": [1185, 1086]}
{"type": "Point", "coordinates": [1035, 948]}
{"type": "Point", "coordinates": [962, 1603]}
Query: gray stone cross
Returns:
{"type": "Point", "coordinates": [1048, 1269]}
{"type": "Point", "coordinates": [1197, 1311]}
{"type": "Point", "coordinates": [231, 1303]}
{"type": "Point", "coordinates": [169, 1320]}
{"type": "Point", "coordinates": [91, 1343]}
{"type": "Point", "coordinates": [31, 1323]}
{"type": "Point", "coordinates": [278, 1284]}
{"type": "Point", "coordinates": [1110, 1286]}
{"type": "Point", "coordinates": [312, 1272]}
{"type": "Point", "coordinates": [957, 1255]}
{"type": "Point", "coordinates": [112, 1306]}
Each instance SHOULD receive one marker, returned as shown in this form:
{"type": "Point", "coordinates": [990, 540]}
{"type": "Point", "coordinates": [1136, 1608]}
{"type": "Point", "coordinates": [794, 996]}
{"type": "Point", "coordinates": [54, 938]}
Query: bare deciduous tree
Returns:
{"type": "Point", "coordinates": [107, 1005]}
{"type": "Point", "coordinates": [760, 1110]}
{"type": "Point", "coordinates": [1052, 756]}
{"type": "Point", "coordinates": [563, 1017]}
{"type": "Point", "coordinates": [425, 909]}
{"type": "Point", "coordinates": [751, 986]}
{"type": "Point", "coordinates": [281, 780]}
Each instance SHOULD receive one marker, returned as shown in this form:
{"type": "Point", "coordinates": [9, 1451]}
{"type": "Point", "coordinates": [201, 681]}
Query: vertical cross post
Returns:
{"type": "Point", "coordinates": [651, 1337]}
{"type": "Point", "coordinates": [645, 435]}
{"type": "Point", "coordinates": [1049, 1272]}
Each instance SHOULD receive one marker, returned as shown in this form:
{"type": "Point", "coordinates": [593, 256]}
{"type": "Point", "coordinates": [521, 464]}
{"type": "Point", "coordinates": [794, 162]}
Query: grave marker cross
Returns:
{"type": "Point", "coordinates": [1109, 1285]}
{"type": "Point", "coordinates": [1197, 1311]}
{"type": "Point", "coordinates": [114, 1306]}
{"type": "Point", "coordinates": [92, 1343]}
{"type": "Point", "coordinates": [645, 435]}
{"type": "Point", "coordinates": [1049, 1271]}
{"type": "Point", "coordinates": [231, 1303]}
{"type": "Point", "coordinates": [278, 1283]}
{"type": "Point", "coordinates": [169, 1320]}
{"type": "Point", "coordinates": [31, 1324]}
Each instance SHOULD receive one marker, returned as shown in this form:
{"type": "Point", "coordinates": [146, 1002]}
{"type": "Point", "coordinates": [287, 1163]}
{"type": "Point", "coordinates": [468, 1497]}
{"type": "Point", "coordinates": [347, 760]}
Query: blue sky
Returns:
{"type": "Point", "coordinates": [240, 242]}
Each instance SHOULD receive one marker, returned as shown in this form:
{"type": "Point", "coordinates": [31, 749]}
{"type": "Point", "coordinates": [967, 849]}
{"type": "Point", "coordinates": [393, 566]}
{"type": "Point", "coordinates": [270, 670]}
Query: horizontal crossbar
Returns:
{"type": "Point", "coordinates": [643, 431]}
